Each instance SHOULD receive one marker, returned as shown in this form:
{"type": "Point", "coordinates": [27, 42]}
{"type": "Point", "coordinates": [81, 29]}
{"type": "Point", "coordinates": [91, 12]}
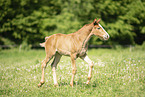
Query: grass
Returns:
{"type": "Point", "coordinates": [117, 73]}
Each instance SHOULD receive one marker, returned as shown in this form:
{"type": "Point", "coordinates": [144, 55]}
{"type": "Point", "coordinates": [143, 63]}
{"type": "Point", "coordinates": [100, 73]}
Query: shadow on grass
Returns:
{"type": "Point", "coordinates": [93, 84]}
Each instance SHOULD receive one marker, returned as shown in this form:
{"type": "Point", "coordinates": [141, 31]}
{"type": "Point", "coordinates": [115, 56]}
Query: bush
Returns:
{"type": "Point", "coordinates": [123, 19]}
{"type": "Point", "coordinates": [25, 46]}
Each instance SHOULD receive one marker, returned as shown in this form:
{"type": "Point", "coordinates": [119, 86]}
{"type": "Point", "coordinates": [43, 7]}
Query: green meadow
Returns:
{"type": "Point", "coordinates": [116, 73]}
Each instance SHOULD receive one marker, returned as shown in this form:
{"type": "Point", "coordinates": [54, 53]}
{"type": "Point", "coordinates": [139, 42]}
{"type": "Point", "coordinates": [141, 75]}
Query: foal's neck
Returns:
{"type": "Point", "coordinates": [84, 34]}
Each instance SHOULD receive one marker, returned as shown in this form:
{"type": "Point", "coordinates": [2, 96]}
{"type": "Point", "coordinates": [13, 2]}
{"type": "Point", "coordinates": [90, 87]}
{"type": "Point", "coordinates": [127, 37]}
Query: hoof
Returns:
{"type": "Point", "coordinates": [71, 84]}
{"type": "Point", "coordinates": [87, 82]}
{"type": "Point", "coordinates": [56, 85]}
{"type": "Point", "coordinates": [40, 84]}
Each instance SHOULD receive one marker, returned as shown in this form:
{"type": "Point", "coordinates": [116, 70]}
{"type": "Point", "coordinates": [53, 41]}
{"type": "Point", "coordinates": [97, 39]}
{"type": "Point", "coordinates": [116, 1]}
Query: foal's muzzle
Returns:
{"type": "Point", "coordinates": [106, 37]}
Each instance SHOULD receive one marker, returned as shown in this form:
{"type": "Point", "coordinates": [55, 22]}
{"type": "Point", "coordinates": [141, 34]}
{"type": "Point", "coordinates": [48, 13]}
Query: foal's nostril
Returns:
{"type": "Point", "coordinates": [106, 37]}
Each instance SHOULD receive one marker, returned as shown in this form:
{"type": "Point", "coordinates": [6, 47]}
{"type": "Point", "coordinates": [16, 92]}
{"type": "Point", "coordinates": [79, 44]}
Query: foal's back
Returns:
{"type": "Point", "coordinates": [64, 44]}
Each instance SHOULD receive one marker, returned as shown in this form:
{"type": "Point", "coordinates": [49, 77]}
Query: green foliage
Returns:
{"type": "Point", "coordinates": [32, 20]}
{"type": "Point", "coordinates": [140, 47]}
{"type": "Point", "coordinates": [124, 20]}
{"type": "Point", "coordinates": [25, 46]}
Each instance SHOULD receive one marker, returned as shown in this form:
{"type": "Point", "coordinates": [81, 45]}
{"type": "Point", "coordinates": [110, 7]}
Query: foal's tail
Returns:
{"type": "Point", "coordinates": [42, 44]}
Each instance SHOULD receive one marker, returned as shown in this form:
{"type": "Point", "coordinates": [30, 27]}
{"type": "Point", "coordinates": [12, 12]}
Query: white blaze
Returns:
{"type": "Point", "coordinates": [103, 29]}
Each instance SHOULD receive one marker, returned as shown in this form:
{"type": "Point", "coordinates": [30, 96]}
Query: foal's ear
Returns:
{"type": "Point", "coordinates": [95, 21]}
{"type": "Point", "coordinates": [98, 20]}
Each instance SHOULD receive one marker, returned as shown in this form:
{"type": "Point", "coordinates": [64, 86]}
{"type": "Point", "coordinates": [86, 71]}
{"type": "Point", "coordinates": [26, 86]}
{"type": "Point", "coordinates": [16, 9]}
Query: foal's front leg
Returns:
{"type": "Point", "coordinates": [88, 60]}
{"type": "Point", "coordinates": [74, 69]}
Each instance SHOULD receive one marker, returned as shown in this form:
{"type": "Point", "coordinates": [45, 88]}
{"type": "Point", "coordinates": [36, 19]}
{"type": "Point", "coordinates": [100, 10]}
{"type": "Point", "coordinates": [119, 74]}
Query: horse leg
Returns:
{"type": "Point", "coordinates": [87, 59]}
{"type": "Point", "coordinates": [53, 66]}
{"type": "Point", "coordinates": [43, 66]}
{"type": "Point", "coordinates": [74, 69]}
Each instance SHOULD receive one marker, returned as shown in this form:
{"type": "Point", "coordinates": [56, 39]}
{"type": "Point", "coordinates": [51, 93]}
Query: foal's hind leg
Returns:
{"type": "Point", "coordinates": [54, 65]}
{"type": "Point", "coordinates": [44, 62]}
{"type": "Point", "coordinates": [88, 60]}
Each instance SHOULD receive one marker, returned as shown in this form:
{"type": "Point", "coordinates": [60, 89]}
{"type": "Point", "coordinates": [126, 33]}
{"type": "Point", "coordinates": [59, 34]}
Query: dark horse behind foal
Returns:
{"type": "Point", "coordinates": [73, 45]}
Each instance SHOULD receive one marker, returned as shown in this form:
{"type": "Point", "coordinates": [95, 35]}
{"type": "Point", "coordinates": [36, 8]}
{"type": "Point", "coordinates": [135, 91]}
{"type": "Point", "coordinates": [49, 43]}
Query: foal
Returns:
{"type": "Point", "coordinates": [73, 45]}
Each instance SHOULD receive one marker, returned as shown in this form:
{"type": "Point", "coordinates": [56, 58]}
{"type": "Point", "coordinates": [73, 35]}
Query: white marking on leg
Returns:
{"type": "Point", "coordinates": [54, 65]}
{"type": "Point", "coordinates": [54, 76]}
{"type": "Point", "coordinates": [88, 60]}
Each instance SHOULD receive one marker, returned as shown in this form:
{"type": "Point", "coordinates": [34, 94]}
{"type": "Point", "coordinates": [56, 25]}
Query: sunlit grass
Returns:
{"type": "Point", "coordinates": [116, 73]}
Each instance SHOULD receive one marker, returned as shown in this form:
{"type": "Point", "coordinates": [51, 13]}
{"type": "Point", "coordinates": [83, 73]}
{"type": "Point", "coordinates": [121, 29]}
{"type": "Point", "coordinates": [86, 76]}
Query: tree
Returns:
{"type": "Point", "coordinates": [22, 19]}
{"type": "Point", "coordinates": [123, 19]}
{"type": "Point", "coordinates": [32, 20]}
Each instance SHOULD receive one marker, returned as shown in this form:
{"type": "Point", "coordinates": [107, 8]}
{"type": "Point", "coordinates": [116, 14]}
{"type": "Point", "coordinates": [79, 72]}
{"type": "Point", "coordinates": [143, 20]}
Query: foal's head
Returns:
{"type": "Point", "coordinates": [99, 31]}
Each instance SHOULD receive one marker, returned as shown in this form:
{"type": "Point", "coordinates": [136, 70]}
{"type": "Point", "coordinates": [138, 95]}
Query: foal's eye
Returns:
{"type": "Point", "coordinates": [98, 28]}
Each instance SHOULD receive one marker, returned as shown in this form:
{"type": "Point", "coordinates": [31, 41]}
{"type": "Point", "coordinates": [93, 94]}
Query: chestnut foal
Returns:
{"type": "Point", "coordinates": [73, 45]}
